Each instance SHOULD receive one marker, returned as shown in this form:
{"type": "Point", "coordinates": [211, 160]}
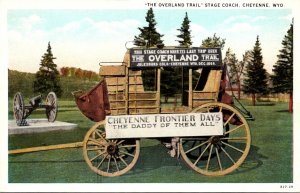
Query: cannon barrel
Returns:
{"type": "Point", "coordinates": [34, 101]}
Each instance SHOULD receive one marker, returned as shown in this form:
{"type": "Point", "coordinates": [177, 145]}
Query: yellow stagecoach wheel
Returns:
{"type": "Point", "coordinates": [218, 155]}
{"type": "Point", "coordinates": [109, 157]}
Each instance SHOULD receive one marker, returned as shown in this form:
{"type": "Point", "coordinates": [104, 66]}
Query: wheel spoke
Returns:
{"type": "Point", "coordinates": [123, 160]}
{"type": "Point", "coordinates": [202, 110]}
{"type": "Point", "coordinates": [234, 129]}
{"type": "Point", "coordinates": [126, 153]}
{"type": "Point", "coordinates": [116, 163]}
{"type": "Point", "coordinates": [102, 161]}
{"type": "Point", "coordinates": [209, 156]}
{"type": "Point", "coordinates": [120, 142]}
{"type": "Point", "coordinates": [229, 119]}
{"type": "Point", "coordinates": [218, 157]}
{"type": "Point", "coordinates": [208, 110]}
{"type": "Point", "coordinates": [196, 147]}
{"type": "Point", "coordinates": [201, 154]}
{"type": "Point", "coordinates": [108, 164]}
{"type": "Point", "coordinates": [237, 149]}
{"type": "Point", "coordinates": [228, 155]}
{"type": "Point", "coordinates": [50, 102]}
{"type": "Point", "coordinates": [53, 103]}
{"type": "Point", "coordinates": [100, 134]}
{"type": "Point", "coordinates": [221, 108]}
{"type": "Point", "coordinates": [97, 156]}
{"type": "Point", "coordinates": [234, 138]}
{"type": "Point", "coordinates": [95, 141]}
{"type": "Point", "coordinates": [125, 146]}
{"type": "Point", "coordinates": [95, 149]}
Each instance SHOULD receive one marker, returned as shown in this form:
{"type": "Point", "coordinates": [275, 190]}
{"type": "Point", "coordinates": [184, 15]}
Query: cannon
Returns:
{"type": "Point", "coordinates": [22, 111]}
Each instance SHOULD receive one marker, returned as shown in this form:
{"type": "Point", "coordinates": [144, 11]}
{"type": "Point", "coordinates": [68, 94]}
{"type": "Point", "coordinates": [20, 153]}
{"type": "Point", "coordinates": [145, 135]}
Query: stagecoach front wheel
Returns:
{"type": "Point", "coordinates": [218, 155]}
{"type": "Point", "coordinates": [108, 157]}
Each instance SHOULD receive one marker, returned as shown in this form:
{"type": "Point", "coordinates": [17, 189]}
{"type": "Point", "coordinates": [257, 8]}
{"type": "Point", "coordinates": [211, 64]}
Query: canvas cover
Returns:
{"type": "Point", "coordinates": [94, 104]}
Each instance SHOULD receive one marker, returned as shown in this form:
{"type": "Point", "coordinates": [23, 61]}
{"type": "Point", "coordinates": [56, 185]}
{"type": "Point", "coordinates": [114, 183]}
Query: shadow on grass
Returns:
{"type": "Point", "coordinates": [265, 104]}
{"type": "Point", "coordinates": [253, 161]}
{"type": "Point", "coordinates": [155, 157]}
{"type": "Point", "coordinates": [283, 111]}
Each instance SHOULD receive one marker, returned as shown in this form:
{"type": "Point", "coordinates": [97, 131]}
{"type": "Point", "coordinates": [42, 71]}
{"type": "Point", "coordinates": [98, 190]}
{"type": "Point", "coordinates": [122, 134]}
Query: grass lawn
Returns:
{"type": "Point", "coordinates": [269, 160]}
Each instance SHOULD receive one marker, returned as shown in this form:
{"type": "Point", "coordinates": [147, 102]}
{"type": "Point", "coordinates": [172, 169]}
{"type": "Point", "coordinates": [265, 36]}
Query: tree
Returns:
{"type": "Point", "coordinates": [232, 64]}
{"type": "Point", "coordinates": [255, 81]}
{"type": "Point", "coordinates": [170, 82]}
{"type": "Point", "coordinates": [247, 57]}
{"type": "Point", "coordinates": [209, 42]}
{"type": "Point", "coordinates": [79, 73]}
{"type": "Point", "coordinates": [87, 74]}
{"type": "Point", "coordinates": [185, 32]}
{"type": "Point", "coordinates": [213, 42]}
{"type": "Point", "coordinates": [283, 69]}
{"type": "Point", "coordinates": [72, 71]}
{"type": "Point", "coordinates": [235, 69]}
{"type": "Point", "coordinates": [47, 78]}
{"type": "Point", "coordinates": [185, 36]}
{"type": "Point", "coordinates": [64, 71]}
{"type": "Point", "coordinates": [149, 36]}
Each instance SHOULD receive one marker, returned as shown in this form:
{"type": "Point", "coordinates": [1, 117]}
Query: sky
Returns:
{"type": "Point", "coordinates": [83, 38]}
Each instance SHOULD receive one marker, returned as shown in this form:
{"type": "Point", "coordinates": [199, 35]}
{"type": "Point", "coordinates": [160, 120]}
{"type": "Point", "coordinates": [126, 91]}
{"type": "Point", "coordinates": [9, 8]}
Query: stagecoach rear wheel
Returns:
{"type": "Point", "coordinates": [109, 157]}
{"type": "Point", "coordinates": [51, 109]}
{"type": "Point", "coordinates": [218, 155]}
{"type": "Point", "coordinates": [18, 107]}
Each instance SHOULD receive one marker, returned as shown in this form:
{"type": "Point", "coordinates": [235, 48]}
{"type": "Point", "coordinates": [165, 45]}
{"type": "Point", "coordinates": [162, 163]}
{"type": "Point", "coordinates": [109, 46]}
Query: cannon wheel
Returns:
{"type": "Point", "coordinates": [51, 109]}
{"type": "Point", "coordinates": [18, 107]}
{"type": "Point", "coordinates": [109, 157]}
{"type": "Point", "coordinates": [218, 155]}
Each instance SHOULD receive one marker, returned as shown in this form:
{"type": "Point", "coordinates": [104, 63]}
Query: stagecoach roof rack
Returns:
{"type": "Point", "coordinates": [112, 70]}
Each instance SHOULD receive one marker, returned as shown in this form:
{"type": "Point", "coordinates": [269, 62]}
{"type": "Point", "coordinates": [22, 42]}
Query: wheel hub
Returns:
{"type": "Point", "coordinates": [215, 140]}
{"type": "Point", "coordinates": [111, 148]}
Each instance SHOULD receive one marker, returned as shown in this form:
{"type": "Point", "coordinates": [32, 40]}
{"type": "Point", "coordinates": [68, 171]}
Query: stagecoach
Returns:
{"type": "Point", "coordinates": [204, 128]}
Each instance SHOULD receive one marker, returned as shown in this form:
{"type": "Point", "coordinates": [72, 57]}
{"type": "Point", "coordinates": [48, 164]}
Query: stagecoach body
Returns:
{"type": "Point", "coordinates": [124, 93]}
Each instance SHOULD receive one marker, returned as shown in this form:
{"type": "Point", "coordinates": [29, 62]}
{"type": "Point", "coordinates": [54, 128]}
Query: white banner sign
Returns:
{"type": "Point", "coordinates": [164, 125]}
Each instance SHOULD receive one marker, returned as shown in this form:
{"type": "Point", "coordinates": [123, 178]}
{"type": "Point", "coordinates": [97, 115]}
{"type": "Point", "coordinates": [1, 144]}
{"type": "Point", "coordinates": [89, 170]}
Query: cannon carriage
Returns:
{"type": "Point", "coordinates": [22, 111]}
